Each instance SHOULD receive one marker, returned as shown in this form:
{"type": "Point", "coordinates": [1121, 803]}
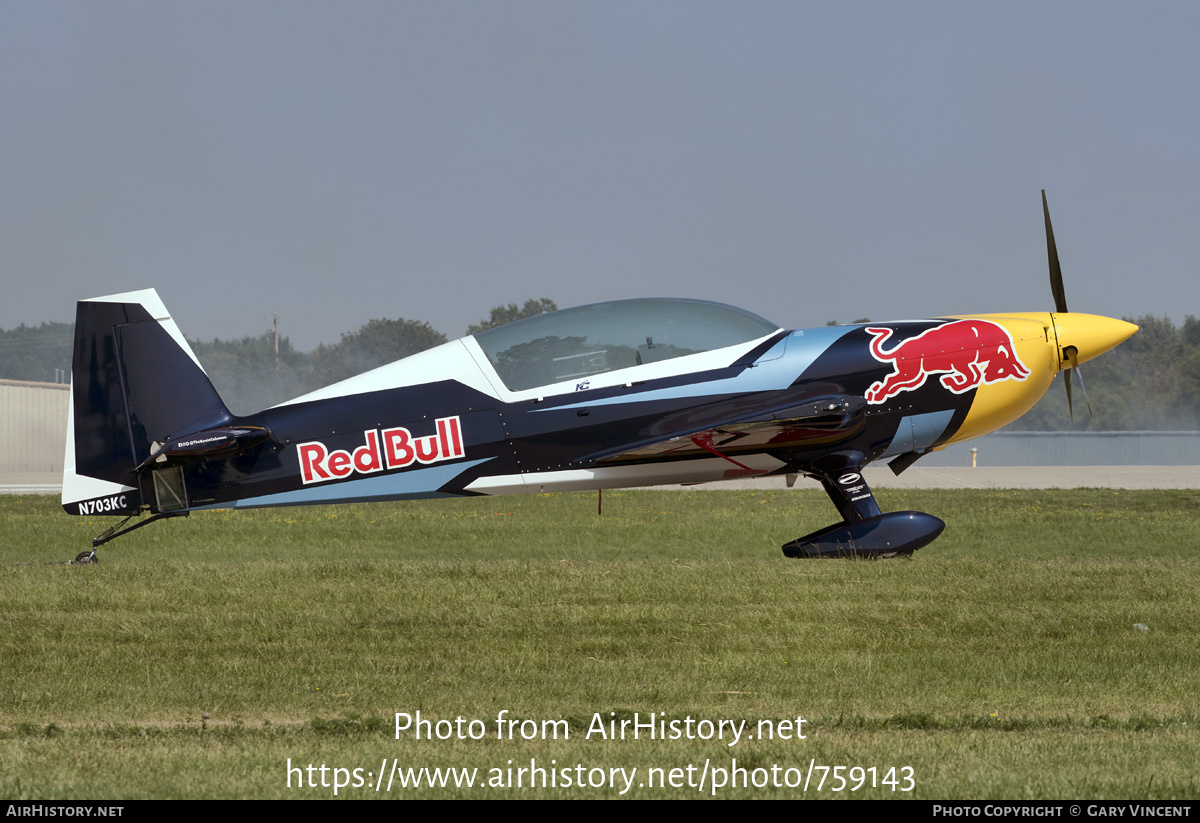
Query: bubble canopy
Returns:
{"type": "Point", "coordinates": [573, 344]}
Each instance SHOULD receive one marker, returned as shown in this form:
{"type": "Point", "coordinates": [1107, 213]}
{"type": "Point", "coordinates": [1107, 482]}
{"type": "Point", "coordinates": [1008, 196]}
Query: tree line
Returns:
{"type": "Point", "coordinates": [1149, 382]}
{"type": "Point", "coordinates": [252, 373]}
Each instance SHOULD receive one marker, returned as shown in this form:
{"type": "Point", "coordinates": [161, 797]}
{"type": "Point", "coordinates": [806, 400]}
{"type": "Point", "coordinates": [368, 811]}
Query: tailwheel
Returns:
{"type": "Point", "coordinates": [87, 558]}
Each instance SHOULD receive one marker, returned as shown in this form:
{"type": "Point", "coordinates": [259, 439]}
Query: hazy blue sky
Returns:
{"type": "Point", "coordinates": [808, 161]}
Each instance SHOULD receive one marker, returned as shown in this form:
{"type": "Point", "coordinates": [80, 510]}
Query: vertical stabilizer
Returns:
{"type": "Point", "coordinates": [134, 383]}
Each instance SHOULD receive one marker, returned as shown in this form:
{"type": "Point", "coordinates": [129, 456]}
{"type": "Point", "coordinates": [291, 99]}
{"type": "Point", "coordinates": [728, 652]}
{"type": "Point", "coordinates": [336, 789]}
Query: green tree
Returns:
{"type": "Point", "coordinates": [249, 375]}
{"type": "Point", "coordinates": [373, 345]}
{"type": "Point", "coordinates": [1189, 368]}
{"type": "Point", "coordinates": [36, 352]}
{"type": "Point", "coordinates": [512, 312]}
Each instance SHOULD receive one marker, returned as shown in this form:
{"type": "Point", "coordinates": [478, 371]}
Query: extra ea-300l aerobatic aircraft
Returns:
{"type": "Point", "coordinates": [620, 394]}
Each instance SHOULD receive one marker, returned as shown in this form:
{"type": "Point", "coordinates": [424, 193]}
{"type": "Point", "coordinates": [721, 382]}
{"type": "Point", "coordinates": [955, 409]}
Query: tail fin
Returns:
{"type": "Point", "coordinates": [134, 383]}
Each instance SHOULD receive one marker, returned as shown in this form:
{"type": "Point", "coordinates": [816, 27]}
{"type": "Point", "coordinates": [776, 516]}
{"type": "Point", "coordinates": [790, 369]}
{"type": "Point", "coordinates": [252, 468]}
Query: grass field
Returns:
{"type": "Point", "coordinates": [1044, 647]}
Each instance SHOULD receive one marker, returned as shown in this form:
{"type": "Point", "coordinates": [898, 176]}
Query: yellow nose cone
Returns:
{"type": "Point", "coordinates": [1090, 334]}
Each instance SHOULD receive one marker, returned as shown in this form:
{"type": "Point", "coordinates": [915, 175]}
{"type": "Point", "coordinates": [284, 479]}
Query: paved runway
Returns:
{"type": "Point", "coordinates": [29, 488]}
{"type": "Point", "coordinates": [881, 477]}
{"type": "Point", "coordinates": [1031, 477]}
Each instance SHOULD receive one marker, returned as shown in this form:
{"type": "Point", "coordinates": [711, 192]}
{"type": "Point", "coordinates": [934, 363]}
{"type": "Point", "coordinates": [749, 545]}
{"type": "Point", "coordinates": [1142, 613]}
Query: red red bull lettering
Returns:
{"type": "Point", "coordinates": [394, 448]}
{"type": "Point", "coordinates": [967, 353]}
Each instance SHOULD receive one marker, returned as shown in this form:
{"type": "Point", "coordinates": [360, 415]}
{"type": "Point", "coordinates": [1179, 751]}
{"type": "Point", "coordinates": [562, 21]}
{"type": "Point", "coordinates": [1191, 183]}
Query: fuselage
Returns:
{"type": "Point", "coordinates": [444, 422]}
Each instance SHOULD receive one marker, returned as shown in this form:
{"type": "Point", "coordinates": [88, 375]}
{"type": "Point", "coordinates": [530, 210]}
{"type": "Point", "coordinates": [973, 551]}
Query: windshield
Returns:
{"type": "Point", "coordinates": [603, 337]}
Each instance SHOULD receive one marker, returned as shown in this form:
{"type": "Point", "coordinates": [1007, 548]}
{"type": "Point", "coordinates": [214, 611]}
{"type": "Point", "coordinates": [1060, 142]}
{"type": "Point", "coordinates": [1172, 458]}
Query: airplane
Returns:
{"type": "Point", "coordinates": [610, 395]}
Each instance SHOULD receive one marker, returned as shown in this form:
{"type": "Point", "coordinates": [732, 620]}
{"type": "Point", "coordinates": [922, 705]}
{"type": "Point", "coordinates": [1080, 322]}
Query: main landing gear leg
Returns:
{"type": "Point", "coordinates": [864, 530]}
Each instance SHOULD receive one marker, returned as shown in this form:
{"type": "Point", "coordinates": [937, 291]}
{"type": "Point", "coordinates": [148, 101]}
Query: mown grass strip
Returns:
{"type": "Point", "coordinates": [1043, 647]}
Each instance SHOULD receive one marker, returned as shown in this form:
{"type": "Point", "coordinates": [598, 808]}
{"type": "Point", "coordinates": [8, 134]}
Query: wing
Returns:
{"type": "Point", "coordinates": [727, 429]}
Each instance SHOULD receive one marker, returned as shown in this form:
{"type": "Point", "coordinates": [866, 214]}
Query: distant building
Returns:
{"type": "Point", "coordinates": [33, 432]}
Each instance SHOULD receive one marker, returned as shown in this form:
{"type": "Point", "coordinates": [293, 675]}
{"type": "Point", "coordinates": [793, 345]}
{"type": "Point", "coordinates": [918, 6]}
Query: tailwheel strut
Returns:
{"type": "Point", "coordinates": [112, 533]}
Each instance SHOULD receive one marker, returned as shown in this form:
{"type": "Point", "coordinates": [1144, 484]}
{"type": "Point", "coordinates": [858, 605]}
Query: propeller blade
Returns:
{"type": "Point", "coordinates": [1072, 354]}
{"type": "Point", "coordinates": [1056, 281]}
{"type": "Point", "coordinates": [1069, 353]}
{"type": "Point", "coordinates": [1070, 407]}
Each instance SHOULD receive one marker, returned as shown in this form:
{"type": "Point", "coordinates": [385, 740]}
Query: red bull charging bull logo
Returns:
{"type": "Point", "coordinates": [967, 353]}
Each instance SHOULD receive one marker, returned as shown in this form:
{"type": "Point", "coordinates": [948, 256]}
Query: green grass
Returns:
{"type": "Point", "coordinates": [1004, 660]}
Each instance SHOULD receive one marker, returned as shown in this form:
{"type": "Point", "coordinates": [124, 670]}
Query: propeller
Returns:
{"type": "Point", "coordinates": [1071, 353]}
